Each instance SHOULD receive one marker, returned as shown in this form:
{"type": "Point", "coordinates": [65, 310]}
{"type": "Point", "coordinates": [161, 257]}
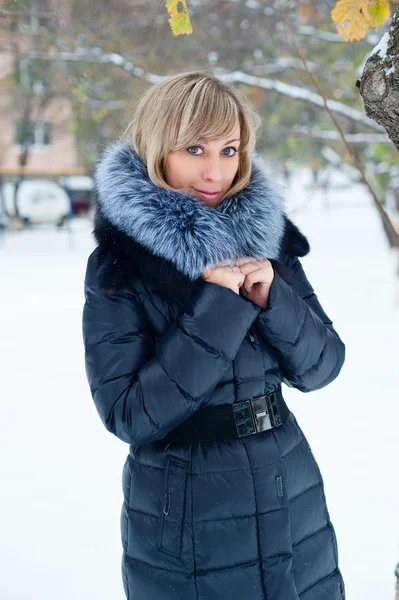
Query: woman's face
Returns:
{"type": "Point", "coordinates": [200, 170]}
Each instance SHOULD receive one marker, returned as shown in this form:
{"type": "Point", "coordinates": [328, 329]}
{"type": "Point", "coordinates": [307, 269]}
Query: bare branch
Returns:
{"type": "Point", "coordinates": [325, 36]}
{"type": "Point", "coordinates": [354, 138]}
{"type": "Point", "coordinates": [299, 93]}
{"type": "Point", "coordinates": [25, 12]}
{"type": "Point", "coordinates": [328, 36]}
{"type": "Point", "coordinates": [97, 55]}
{"type": "Point", "coordinates": [156, 12]}
{"type": "Point", "coordinates": [281, 64]}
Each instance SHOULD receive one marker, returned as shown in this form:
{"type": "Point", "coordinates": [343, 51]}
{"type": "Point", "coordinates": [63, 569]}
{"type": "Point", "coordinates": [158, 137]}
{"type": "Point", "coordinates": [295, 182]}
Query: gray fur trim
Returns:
{"type": "Point", "coordinates": [180, 228]}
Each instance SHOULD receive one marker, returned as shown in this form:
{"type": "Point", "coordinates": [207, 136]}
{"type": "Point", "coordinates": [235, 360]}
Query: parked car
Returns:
{"type": "Point", "coordinates": [80, 191]}
{"type": "Point", "coordinates": [38, 201]}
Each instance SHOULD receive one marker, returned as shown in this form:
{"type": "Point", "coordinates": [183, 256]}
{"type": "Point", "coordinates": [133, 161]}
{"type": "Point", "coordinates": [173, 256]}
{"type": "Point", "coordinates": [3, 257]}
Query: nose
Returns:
{"type": "Point", "coordinates": [212, 170]}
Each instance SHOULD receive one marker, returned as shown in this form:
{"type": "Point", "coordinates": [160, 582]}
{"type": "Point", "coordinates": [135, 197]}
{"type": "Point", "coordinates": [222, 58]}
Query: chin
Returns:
{"type": "Point", "coordinates": [210, 203]}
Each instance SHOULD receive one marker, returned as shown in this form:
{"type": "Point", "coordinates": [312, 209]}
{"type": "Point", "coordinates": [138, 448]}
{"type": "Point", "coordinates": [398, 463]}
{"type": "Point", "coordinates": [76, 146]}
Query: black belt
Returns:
{"type": "Point", "coordinates": [232, 421]}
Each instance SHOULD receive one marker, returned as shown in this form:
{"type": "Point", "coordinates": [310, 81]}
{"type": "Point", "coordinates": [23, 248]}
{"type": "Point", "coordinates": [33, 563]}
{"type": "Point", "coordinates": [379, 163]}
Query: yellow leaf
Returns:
{"type": "Point", "coordinates": [352, 19]}
{"type": "Point", "coordinates": [179, 19]}
{"type": "Point", "coordinates": [380, 11]}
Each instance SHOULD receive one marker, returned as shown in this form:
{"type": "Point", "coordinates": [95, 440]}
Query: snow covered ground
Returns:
{"type": "Point", "coordinates": [61, 470]}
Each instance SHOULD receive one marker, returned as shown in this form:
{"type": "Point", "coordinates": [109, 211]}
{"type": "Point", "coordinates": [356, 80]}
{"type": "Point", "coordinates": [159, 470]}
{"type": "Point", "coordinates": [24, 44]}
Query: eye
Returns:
{"type": "Point", "coordinates": [195, 153]}
{"type": "Point", "coordinates": [231, 148]}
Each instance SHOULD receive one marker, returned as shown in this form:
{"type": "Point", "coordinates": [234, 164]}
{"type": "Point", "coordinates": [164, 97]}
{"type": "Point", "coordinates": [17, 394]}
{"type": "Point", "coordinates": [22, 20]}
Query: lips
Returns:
{"type": "Point", "coordinates": [208, 194]}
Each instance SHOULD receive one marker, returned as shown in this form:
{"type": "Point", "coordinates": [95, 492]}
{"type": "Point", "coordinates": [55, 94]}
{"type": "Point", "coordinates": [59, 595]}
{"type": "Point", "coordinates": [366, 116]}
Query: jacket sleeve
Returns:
{"type": "Point", "coordinates": [310, 351]}
{"type": "Point", "coordinates": [144, 387]}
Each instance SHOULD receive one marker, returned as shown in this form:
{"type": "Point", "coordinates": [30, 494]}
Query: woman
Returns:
{"type": "Point", "coordinates": [197, 309]}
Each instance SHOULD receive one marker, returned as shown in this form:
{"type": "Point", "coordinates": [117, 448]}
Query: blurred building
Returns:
{"type": "Point", "coordinates": [29, 110]}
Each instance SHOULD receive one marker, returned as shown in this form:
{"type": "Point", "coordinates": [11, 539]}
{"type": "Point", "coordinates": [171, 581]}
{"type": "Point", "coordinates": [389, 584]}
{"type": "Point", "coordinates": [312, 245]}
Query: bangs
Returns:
{"type": "Point", "coordinates": [206, 116]}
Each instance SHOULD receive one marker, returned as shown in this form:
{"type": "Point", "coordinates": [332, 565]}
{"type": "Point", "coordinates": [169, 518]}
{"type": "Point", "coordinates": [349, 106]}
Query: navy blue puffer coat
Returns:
{"type": "Point", "coordinates": [247, 518]}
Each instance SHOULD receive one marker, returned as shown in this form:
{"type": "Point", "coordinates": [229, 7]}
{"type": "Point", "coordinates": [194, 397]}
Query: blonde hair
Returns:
{"type": "Point", "coordinates": [187, 109]}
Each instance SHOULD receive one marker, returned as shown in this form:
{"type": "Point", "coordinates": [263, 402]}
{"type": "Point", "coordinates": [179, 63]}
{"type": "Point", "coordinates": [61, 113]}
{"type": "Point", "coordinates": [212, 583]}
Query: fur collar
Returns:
{"type": "Point", "coordinates": [179, 228]}
{"type": "Point", "coordinates": [170, 238]}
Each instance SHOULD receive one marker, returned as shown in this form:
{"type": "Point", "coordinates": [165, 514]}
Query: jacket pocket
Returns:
{"type": "Point", "coordinates": [172, 506]}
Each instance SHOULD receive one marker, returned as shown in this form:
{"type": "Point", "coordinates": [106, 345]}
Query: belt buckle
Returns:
{"type": "Point", "coordinates": [256, 415]}
{"type": "Point", "coordinates": [261, 414]}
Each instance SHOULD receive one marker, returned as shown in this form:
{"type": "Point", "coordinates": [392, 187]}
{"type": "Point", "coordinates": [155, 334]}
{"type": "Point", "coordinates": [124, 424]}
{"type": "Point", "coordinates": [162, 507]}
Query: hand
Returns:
{"type": "Point", "coordinates": [259, 275]}
{"type": "Point", "coordinates": [226, 276]}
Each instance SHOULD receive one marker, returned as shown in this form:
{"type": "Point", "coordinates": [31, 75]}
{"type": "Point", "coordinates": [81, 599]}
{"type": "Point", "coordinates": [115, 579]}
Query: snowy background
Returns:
{"type": "Point", "coordinates": [60, 469]}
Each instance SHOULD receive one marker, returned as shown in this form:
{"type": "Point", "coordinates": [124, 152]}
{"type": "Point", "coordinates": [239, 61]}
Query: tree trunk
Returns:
{"type": "Point", "coordinates": [379, 84]}
{"type": "Point", "coordinates": [397, 582]}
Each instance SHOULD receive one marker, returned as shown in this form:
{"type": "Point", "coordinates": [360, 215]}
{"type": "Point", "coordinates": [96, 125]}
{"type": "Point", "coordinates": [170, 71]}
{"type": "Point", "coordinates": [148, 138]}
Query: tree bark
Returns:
{"type": "Point", "coordinates": [379, 83]}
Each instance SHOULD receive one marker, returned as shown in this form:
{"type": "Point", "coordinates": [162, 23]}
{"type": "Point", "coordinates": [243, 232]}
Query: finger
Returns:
{"type": "Point", "coordinates": [244, 260]}
{"type": "Point", "coordinates": [264, 262]}
{"type": "Point", "coordinates": [247, 285]}
{"type": "Point", "coordinates": [266, 270]}
{"type": "Point", "coordinates": [238, 278]}
{"type": "Point", "coordinates": [230, 269]}
{"type": "Point", "coordinates": [248, 268]}
{"type": "Point", "coordinates": [259, 276]}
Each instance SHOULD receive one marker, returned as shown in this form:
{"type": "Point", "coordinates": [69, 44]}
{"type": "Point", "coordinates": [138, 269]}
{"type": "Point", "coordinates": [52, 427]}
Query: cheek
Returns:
{"type": "Point", "coordinates": [171, 172]}
{"type": "Point", "coordinates": [166, 170]}
{"type": "Point", "coordinates": [178, 173]}
{"type": "Point", "coordinates": [233, 172]}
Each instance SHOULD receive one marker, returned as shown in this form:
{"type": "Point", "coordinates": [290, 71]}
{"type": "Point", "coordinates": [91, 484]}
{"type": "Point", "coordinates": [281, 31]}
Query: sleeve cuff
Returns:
{"type": "Point", "coordinates": [220, 318]}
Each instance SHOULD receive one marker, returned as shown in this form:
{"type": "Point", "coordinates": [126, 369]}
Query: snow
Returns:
{"type": "Point", "coordinates": [61, 470]}
{"type": "Point", "coordinates": [381, 47]}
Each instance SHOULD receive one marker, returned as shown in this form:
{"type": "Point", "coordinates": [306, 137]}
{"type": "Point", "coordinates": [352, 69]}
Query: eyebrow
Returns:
{"type": "Point", "coordinates": [230, 141]}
